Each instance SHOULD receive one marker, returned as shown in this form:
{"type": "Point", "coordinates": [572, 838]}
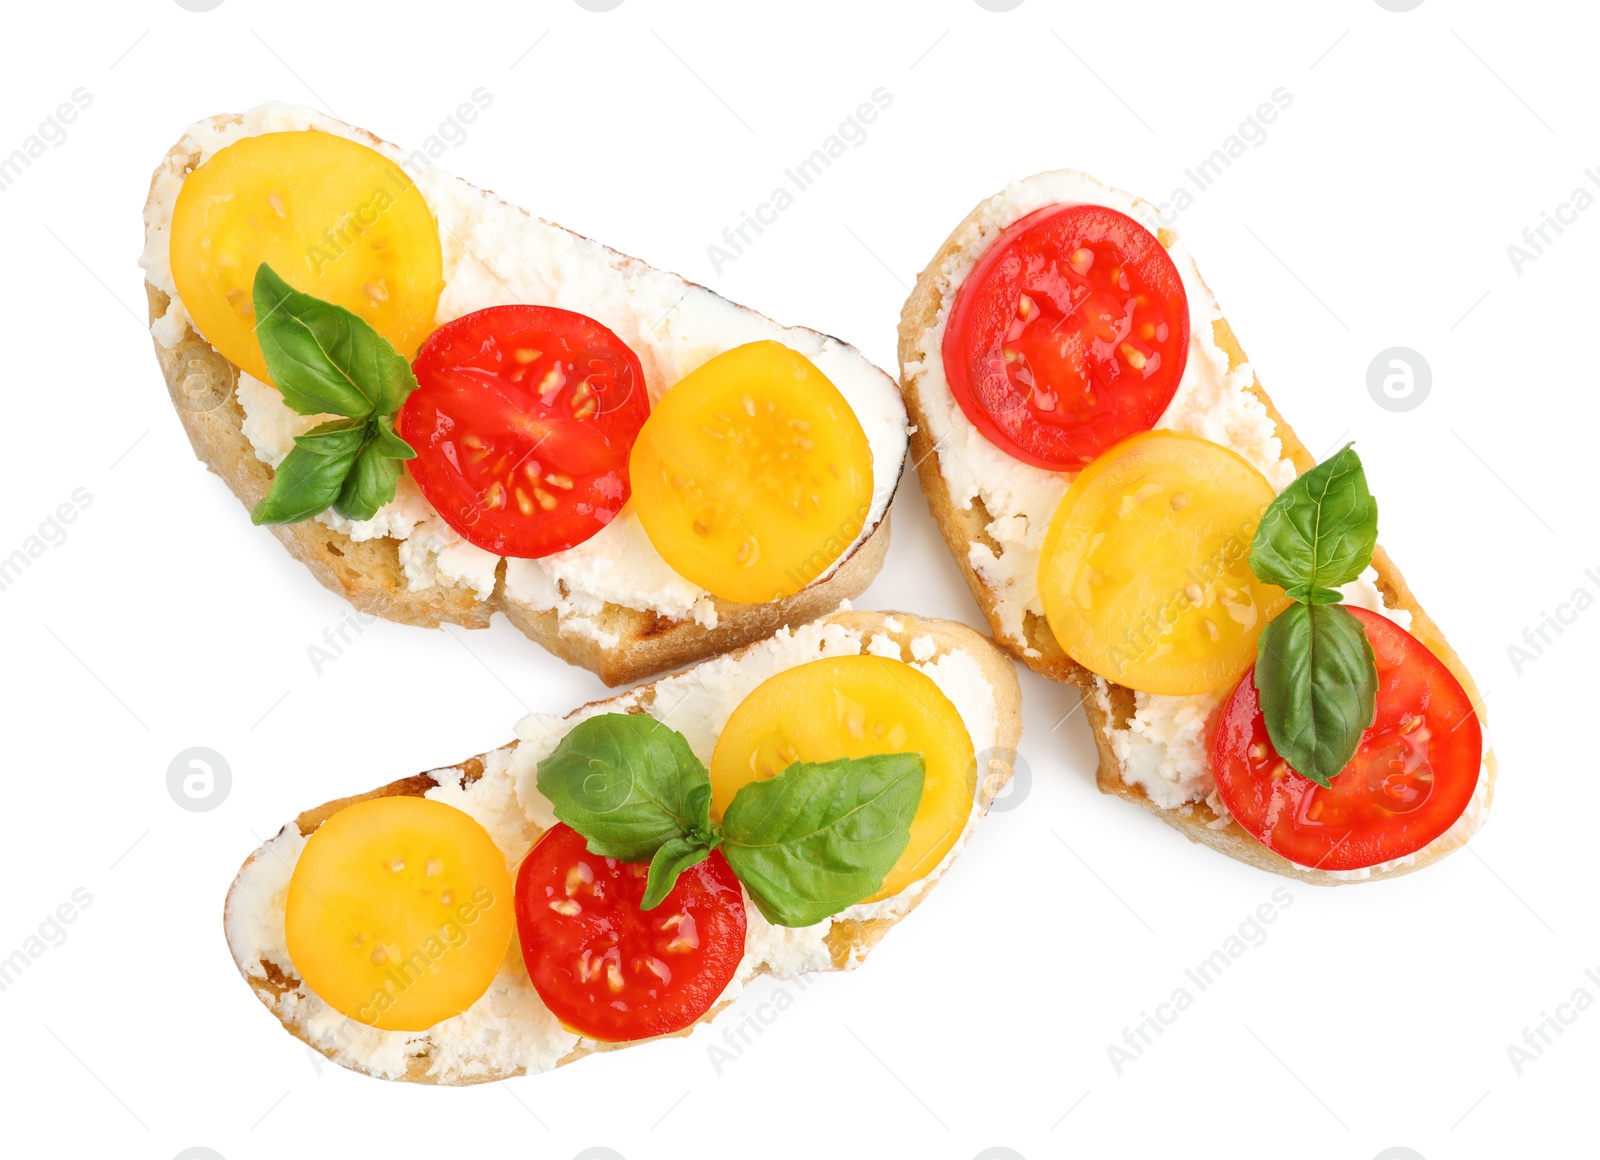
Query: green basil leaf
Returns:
{"type": "Point", "coordinates": [628, 784]}
{"type": "Point", "coordinates": [1318, 686]}
{"type": "Point", "coordinates": [1319, 533]}
{"type": "Point", "coordinates": [820, 837]}
{"type": "Point", "coordinates": [369, 485]}
{"type": "Point", "coordinates": [389, 443]}
{"type": "Point", "coordinates": [312, 476]}
{"type": "Point", "coordinates": [697, 807]}
{"type": "Point", "coordinates": [323, 358]}
{"type": "Point", "coordinates": [675, 856]}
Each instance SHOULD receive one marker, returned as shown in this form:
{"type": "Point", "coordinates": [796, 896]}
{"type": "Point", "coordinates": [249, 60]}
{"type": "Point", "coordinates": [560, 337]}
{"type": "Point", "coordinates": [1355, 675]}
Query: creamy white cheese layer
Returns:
{"type": "Point", "coordinates": [510, 1027]}
{"type": "Point", "coordinates": [496, 254]}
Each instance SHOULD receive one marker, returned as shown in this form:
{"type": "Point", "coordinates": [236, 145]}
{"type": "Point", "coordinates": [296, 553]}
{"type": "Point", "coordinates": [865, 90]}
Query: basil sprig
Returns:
{"type": "Point", "coordinates": [820, 837]}
{"type": "Point", "coordinates": [1316, 675]}
{"type": "Point", "coordinates": [325, 360]}
{"type": "Point", "coordinates": [806, 844]}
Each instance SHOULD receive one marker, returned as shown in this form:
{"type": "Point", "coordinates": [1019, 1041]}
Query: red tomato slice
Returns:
{"type": "Point", "coordinates": [609, 970]}
{"type": "Point", "coordinates": [522, 420]}
{"type": "Point", "coordinates": [1069, 335]}
{"type": "Point", "coordinates": [1411, 778]}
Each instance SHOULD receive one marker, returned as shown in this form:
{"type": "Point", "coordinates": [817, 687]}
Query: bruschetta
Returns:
{"type": "Point", "coordinates": [538, 478]}
{"type": "Point", "coordinates": [1098, 454]}
{"type": "Point", "coordinates": [385, 931]}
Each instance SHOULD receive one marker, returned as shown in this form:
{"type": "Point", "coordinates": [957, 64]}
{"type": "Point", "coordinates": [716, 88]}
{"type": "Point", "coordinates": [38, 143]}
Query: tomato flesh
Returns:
{"type": "Point", "coordinates": [1412, 776]}
{"type": "Point", "coordinates": [522, 421]}
{"type": "Point", "coordinates": [609, 970]}
{"type": "Point", "coordinates": [1071, 333]}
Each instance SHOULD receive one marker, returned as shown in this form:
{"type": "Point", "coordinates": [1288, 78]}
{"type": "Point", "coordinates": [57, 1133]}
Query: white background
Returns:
{"type": "Point", "coordinates": [1376, 213]}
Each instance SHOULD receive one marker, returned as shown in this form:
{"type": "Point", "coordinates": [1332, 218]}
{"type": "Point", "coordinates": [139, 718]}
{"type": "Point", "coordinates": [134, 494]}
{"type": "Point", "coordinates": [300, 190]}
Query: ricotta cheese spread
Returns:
{"type": "Point", "coordinates": [510, 1027]}
{"type": "Point", "coordinates": [496, 254]}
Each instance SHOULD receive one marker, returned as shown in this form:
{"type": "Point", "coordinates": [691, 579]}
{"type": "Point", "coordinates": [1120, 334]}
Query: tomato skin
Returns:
{"type": "Point", "coordinates": [1144, 571]}
{"type": "Point", "coordinates": [399, 912]}
{"type": "Point", "coordinates": [609, 970]}
{"type": "Point", "coordinates": [1412, 776]}
{"type": "Point", "coordinates": [1070, 334]}
{"type": "Point", "coordinates": [522, 421]}
{"type": "Point", "coordinates": [753, 475]}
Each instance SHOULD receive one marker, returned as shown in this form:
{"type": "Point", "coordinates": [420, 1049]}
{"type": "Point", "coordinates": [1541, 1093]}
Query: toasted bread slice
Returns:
{"type": "Point", "coordinates": [620, 644]}
{"type": "Point", "coordinates": [1109, 706]}
{"type": "Point", "coordinates": [509, 1032]}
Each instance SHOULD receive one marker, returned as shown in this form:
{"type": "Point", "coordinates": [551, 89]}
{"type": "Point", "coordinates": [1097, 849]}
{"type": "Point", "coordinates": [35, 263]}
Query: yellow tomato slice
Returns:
{"type": "Point", "coordinates": [399, 912]}
{"type": "Point", "coordinates": [1145, 572]}
{"type": "Point", "coordinates": [752, 474]}
{"type": "Point", "coordinates": [333, 218]}
{"type": "Point", "coordinates": [855, 707]}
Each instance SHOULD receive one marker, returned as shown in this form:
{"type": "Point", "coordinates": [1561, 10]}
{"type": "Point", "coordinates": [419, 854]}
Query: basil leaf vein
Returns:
{"type": "Point", "coordinates": [1318, 684]}
{"type": "Point", "coordinates": [369, 485]}
{"type": "Point", "coordinates": [822, 836]}
{"type": "Point", "coordinates": [1319, 533]}
{"type": "Point", "coordinates": [326, 360]}
{"type": "Point", "coordinates": [628, 784]}
{"type": "Point", "coordinates": [323, 358]}
{"type": "Point", "coordinates": [312, 476]}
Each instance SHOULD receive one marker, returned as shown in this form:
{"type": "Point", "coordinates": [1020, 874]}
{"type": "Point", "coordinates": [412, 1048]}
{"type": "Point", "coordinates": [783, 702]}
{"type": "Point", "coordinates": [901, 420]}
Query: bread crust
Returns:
{"type": "Point", "coordinates": [368, 574]}
{"type": "Point", "coordinates": [961, 528]}
{"type": "Point", "coordinates": [849, 942]}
